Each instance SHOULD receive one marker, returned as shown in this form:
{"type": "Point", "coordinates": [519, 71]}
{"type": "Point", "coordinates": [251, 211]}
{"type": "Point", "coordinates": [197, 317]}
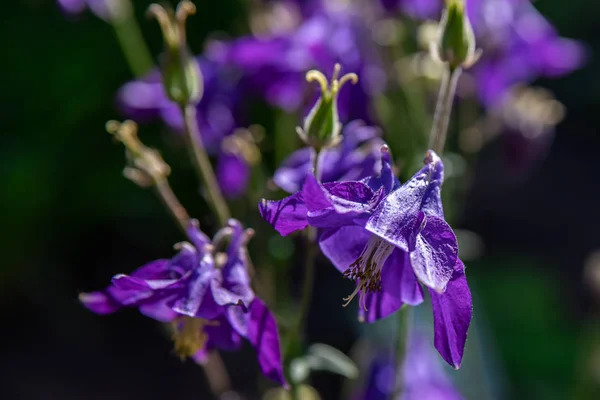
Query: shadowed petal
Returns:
{"type": "Point", "coordinates": [160, 310]}
{"type": "Point", "coordinates": [342, 246]}
{"type": "Point", "coordinates": [287, 215]}
{"type": "Point", "coordinates": [315, 195]}
{"type": "Point", "coordinates": [293, 171]}
{"type": "Point", "coordinates": [397, 277]}
{"type": "Point", "coordinates": [452, 311]}
{"type": "Point", "coordinates": [263, 335]}
{"type": "Point", "coordinates": [378, 305]}
{"type": "Point", "coordinates": [99, 302]}
{"type": "Point", "coordinates": [434, 253]}
{"type": "Point", "coordinates": [351, 204]}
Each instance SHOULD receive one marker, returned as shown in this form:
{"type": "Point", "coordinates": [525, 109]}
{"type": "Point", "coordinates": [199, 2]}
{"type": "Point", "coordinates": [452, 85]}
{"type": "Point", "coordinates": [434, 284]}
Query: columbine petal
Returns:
{"type": "Point", "coordinates": [452, 311]}
{"type": "Point", "coordinates": [160, 310]}
{"type": "Point", "coordinates": [349, 203]}
{"type": "Point", "coordinates": [99, 302]}
{"type": "Point", "coordinates": [294, 169]}
{"type": "Point", "coordinates": [342, 246]}
{"type": "Point", "coordinates": [395, 217]}
{"type": "Point", "coordinates": [378, 305]}
{"type": "Point", "coordinates": [398, 277]}
{"type": "Point", "coordinates": [198, 293]}
{"type": "Point", "coordinates": [434, 253]}
{"type": "Point", "coordinates": [315, 196]}
{"type": "Point", "coordinates": [287, 215]}
{"type": "Point", "coordinates": [263, 335]}
{"type": "Point", "coordinates": [197, 237]}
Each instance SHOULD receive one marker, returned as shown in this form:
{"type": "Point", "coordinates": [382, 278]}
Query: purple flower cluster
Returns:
{"type": "Point", "coordinates": [387, 237]}
{"type": "Point", "coordinates": [518, 43]}
{"type": "Point", "coordinates": [205, 292]}
{"type": "Point", "coordinates": [274, 65]}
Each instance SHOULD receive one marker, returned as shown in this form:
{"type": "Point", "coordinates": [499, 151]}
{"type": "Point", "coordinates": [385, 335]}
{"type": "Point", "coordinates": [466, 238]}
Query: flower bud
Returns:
{"type": "Point", "coordinates": [456, 42]}
{"type": "Point", "coordinates": [322, 125]}
{"type": "Point", "coordinates": [181, 74]}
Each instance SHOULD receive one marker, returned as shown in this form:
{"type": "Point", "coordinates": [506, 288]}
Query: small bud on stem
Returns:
{"type": "Point", "coordinates": [455, 44]}
{"type": "Point", "coordinates": [322, 124]}
{"type": "Point", "coordinates": [181, 74]}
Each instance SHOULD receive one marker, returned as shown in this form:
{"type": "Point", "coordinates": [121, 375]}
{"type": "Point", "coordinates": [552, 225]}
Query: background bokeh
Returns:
{"type": "Point", "coordinates": [70, 221]}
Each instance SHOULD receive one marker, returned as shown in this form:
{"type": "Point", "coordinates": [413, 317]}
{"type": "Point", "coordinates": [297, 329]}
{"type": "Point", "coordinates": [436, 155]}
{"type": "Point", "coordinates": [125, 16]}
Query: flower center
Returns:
{"type": "Point", "coordinates": [366, 270]}
{"type": "Point", "coordinates": [189, 336]}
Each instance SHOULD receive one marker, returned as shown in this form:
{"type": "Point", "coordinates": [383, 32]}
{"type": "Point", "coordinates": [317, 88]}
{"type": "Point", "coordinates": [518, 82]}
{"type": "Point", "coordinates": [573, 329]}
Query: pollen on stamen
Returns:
{"type": "Point", "coordinates": [366, 270]}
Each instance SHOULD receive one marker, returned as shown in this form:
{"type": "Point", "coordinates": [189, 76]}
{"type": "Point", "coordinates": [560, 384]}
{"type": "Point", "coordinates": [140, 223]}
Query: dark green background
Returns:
{"type": "Point", "coordinates": [70, 221]}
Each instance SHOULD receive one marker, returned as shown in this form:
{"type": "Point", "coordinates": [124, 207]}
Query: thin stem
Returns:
{"type": "Point", "coordinates": [443, 109]}
{"type": "Point", "coordinates": [132, 42]}
{"type": "Point", "coordinates": [216, 374]}
{"type": "Point", "coordinates": [203, 166]}
{"type": "Point", "coordinates": [404, 327]}
{"type": "Point", "coordinates": [309, 278]}
{"type": "Point", "coordinates": [170, 201]}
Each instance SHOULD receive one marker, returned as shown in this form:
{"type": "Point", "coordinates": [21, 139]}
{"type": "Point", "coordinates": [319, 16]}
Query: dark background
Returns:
{"type": "Point", "coordinates": [70, 222]}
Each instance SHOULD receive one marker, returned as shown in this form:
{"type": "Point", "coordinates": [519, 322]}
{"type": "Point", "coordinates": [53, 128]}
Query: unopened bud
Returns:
{"type": "Point", "coordinates": [322, 125]}
{"type": "Point", "coordinates": [181, 74]}
{"type": "Point", "coordinates": [455, 44]}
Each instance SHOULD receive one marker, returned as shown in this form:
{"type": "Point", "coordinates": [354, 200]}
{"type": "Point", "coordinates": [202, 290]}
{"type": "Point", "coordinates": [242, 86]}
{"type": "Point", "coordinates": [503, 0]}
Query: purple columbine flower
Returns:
{"type": "Point", "coordinates": [421, 376]}
{"type": "Point", "coordinates": [387, 238]}
{"type": "Point", "coordinates": [218, 114]}
{"type": "Point", "coordinates": [357, 156]}
{"type": "Point", "coordinates": [205, 293]}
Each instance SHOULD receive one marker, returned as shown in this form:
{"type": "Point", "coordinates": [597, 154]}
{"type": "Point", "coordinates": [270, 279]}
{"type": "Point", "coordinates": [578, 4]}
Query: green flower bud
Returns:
{"type": "Point", "coordinates": [182, 78]}
{"type": "Point", "coordinates": [322, 125]}
{"type": "Point", "coordinates": [456, 41]}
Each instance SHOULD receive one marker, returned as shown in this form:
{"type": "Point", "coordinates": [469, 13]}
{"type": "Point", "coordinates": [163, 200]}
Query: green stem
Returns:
{"type": "Point", "coordinates": [443, 109]}
{"type": "Point", "coordinates": [404, 326]}
{"type": "Point", "coordinates": [203, 166]}
{"type": "Point", "coordinates": [132, 42]}
{"type": "Point", "coordinates": [171, 203]}
{"type": "Point", "coordinates": [308, 284]}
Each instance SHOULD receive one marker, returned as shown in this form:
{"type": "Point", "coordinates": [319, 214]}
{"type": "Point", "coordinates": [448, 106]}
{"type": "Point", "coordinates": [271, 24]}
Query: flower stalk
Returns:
{"type": "Point", "coordinates": [147, 168]}
{"type": "Point", "coordinates": [130, 38]}
{"type": "Point", "coordinates": [443, 109]}
{"type": "Point", "coordinates": [203, 166]}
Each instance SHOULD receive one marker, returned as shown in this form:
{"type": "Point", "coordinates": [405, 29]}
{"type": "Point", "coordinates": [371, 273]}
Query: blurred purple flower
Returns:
{"type": "Point", "coordinates": [207, 296]}
{"type": "Point", "coordinates": [274, 66]}
{"type": "Point", "coordinates": [421, 9]}
{"type": "Point", "coordinates": [388, 238]}
{"type": "Point", "coordinates": [518, 43]}
{"type": "Point", "coordinates": [357, 156]}
{"type": "Point", "coordinates": [218, 115]}
{"type": "Point", "coordinates": [422, 377]}
{"type": "Point", "coordinates": [105, 9]}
